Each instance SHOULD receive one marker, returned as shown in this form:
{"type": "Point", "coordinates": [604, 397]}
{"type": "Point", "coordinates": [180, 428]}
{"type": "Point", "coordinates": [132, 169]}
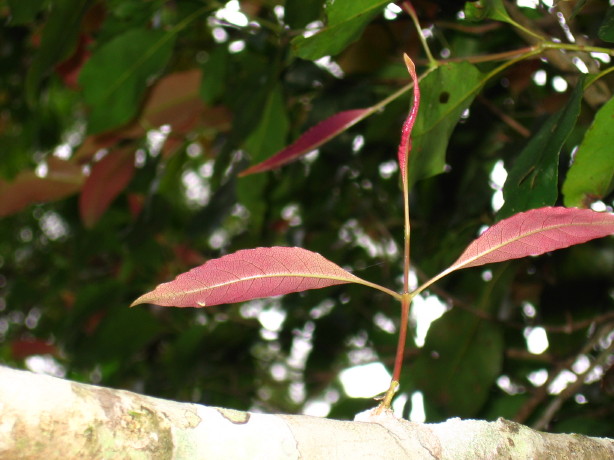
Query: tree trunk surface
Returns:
{"type": "Point", "coordinates": [43, 417]}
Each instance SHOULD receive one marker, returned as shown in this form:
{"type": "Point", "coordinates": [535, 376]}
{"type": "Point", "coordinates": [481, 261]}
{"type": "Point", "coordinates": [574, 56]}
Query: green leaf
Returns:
{"type": "Point", "coordinates": [213, 82]}
{"type": "Point", "coordinates": [115, 79]}
{"type": "Point", "coordinates": [117, 335]}
{"type": "Point", "coordinates": [270, 134]}
{"type": "Point", "coordinates": [487, 9]}
{"type": "Point", "coordinates": [460, 361]}
{"type": "Point", "coordinates": [533, 179]}
{"type": "Point", "coordinates": [591, 176]}
{"type": "Point", "coordinates": [606, 30]}
{"type": "Point", "coordinates": [59, 39]}
{"type": "Point", "coordinates": [24, 11]}
{"type": "Point", "coordinates": [299, 13]}
{"type": "Point", "coordinates": [346, 21]}
{"type": "Point", "coordinates": [463, 353]}
{"type": "Point", "coordinates": [446, 93]}
{"type": "Point", "coordinates": [268, 137]}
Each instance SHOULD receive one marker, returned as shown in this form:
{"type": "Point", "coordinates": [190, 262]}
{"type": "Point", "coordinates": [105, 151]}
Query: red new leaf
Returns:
{"type": "Point", "coordinates": [405, 144]}
{"type": "Point", "coordinates": [109, 178]}
{"type": "Point", "coordinates": [311, 139]}
{"type": "Point", "coordinates": [535, 232]}
{"type": "Point", "coordinates": [249, 274]}
{"type": "Point", "coordinates": [531, 233]}
{"type": "Point", "coordinates": [22, 348]}
{"type": "Point", "coordinates": [63, 178]}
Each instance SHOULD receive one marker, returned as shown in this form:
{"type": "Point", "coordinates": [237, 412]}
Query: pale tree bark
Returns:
{"type": "Point", "coordinates": [43, 417]}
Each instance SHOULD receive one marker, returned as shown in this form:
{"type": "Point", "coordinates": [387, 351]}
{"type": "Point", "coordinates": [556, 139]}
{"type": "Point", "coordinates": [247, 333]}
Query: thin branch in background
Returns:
{"type": "Point", "coordinates": [568, 24]}
{"type": "Point", "coordinates": [556, 54]}
{"type": "Point", "coordinates": [474, 30]}
{"type": "Point", "coordinates": [574, 326]}
{"type": "Point", "coordinates": [574, 387]}
{"type": "Point", "coordinates": [409, 9]}
{"type": "Point", "coordinates": [541, 393]}
{"type": "Point", "coordinates": [509, 121]}
{"type": "Point", "coordinates": [525, 355]}
{"type": "Point", "coordinates": [569, 328]}
{"type": "Point", "coordinates": [502, 56]}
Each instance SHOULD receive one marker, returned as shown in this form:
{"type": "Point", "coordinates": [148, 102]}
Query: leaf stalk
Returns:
{"type": "Point", "coordinates": [409, 9]}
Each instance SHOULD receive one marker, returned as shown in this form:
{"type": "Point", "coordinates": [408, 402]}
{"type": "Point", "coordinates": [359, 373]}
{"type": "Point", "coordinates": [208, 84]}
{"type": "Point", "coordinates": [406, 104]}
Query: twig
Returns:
{"type": "Point", "coordinates": [541, 393]}
{"type": "Point", "coordinates": [526, 355]}
{"type": "Point", "coordinates": [409, 9]}
{"type": "Point", "coordinates": [477, 30]}
{"type": "Point", "coordinates": [509, 121]}
{"type": "Point", "coordinates": [502, 56]}
{"type": "Point", "coordinates": [568, 328]}
{"type": "Point", "coordinates": [574, 387]}
{"type": "Point", "coordinates": [555, 54]}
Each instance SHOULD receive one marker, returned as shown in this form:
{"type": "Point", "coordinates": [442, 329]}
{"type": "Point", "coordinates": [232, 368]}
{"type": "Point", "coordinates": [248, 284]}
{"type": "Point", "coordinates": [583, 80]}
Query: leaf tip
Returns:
{"type": "Point", "coordinates": [409, 64]}
{"type": "Point", "coordinates": [139, 301]}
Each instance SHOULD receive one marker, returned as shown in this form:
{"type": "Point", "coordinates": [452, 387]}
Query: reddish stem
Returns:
{"type": "Point", "coordinates": [403, 156]}
{"type": "Point", "coordinates": [398, 359]}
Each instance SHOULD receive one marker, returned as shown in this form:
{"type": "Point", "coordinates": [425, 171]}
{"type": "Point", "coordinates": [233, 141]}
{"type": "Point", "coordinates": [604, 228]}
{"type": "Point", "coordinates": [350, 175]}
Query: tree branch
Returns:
{"type": "Point", "coordinates": [51, 418]}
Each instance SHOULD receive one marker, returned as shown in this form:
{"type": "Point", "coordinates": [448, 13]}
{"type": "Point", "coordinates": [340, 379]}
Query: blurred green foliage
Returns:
{"type": "Point", "coordinates": [198, 90]}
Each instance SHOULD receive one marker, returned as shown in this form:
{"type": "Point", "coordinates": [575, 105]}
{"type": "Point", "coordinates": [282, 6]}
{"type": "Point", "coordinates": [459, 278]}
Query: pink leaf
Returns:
{"type": "Point", "coordinates": [249, 274]}
{"type": "Point", "coordinates": [63, 178]}
{"type": "Point", "coordinates": [535, 232]}
{"type": "Point", "coordinates": [311, 139]}
{"type": "Point", "coordinates": [405, 144]}
{"type": "Point", "coordinates": [108, 179]}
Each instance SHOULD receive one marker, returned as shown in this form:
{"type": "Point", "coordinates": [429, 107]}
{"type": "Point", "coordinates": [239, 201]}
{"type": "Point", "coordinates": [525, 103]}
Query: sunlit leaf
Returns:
{"type": "Point", "coordinates": [311, 139]}
{"type": "Point", "coordinates": [249, 274]}
{"type": "Point", "coordinates": [108, 179]}
{"type": "Point", "coordinates": [533, 180]}
{"type": "Point", "coordinates": [535, 232]}
{"type": "Point", "coordinates": [591, 176]}
{"type": "Point", "coordinates": [346, 21]}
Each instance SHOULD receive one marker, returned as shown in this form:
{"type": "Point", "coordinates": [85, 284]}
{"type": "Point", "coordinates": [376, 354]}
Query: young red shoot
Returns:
{"type": "Point", "coordinates": [264, 272]}
{"type": "Point", "coordinates": [403, 157]}
{"type": "Point", "coordinates": [408, 125]}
